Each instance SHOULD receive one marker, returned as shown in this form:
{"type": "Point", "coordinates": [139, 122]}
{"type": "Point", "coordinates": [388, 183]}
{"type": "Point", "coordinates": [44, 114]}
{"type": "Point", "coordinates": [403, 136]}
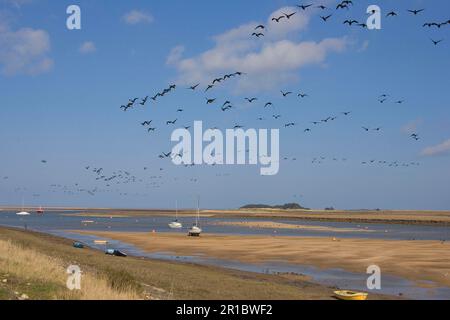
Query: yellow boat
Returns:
{"type": "Point", "coordinates": [101, 242]}
{"type": "Point", "coordinates": [351, 295]}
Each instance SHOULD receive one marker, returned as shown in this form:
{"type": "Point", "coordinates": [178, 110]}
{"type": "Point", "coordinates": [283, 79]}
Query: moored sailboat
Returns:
{"type": "Point", "coordinates": [176, 224]}
{"type": "Point", "coordinates": [195, 231]}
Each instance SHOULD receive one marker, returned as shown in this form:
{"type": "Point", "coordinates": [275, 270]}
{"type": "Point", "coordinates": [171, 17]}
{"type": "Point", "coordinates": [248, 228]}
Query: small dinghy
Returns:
{"type": "Point", "coordinates": [350, 295]}
{"type": "Point", "coordinates": [78, 245]}
{"type": "Point", "coordinates": [101, 242]}
{"type": "Point", "coordinates": [117, 253]}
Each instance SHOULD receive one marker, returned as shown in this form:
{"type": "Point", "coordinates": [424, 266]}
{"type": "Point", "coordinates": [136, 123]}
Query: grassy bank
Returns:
{"type": "Point", "coordinates": [34, 264]}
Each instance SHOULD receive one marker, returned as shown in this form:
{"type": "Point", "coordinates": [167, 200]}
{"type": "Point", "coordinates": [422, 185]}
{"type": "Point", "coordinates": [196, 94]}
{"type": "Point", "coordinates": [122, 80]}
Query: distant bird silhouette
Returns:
{"type": "Point", "coordinates": [250, 100]}
{"type": "Point", "coordinates": [288, 16]}
{"type": "Point", "coordinates": [258, 34]}
{"type": "Point", "coordinates": [260, 27]}
{"type": "Point", "coordinates": [285, 94]}
{"type": "Point", "coordinates": [278, 19]}
{"type": "Point", "coordinates": [194, 87]}
{"type": "Point", "coordinates": [304, 7]}
{"type": "Point", "coordinates": [436, 42]}
{"type": "Point", "coordinates": [144, 101]}
{"type": "Point", "coordinates": [325, 19]}
{"type": "Point", "coordinates": [392, 14]}
{"type": "Point", "coordinates": [171, 122]}
{"type": "Point", "coordinates": [210, 101]}
{"type": "Point", "coordinates": [415, 12]}
{"type": "Point", "coordinates": [350, 22]}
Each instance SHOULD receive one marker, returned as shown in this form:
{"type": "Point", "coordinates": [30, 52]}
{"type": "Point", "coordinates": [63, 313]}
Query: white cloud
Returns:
{"type": "Point", "coordinates": [364, 46]}
{"type": "Point", "coordinates": [269, 61]}
{"type": "Point", "coordinates": [18, 3]}
{"type": "Point", "coordinates": [88, 47]}
{"type": "Point", "coordinates": [24, 51]}
{"type": "Point", "coordinates": [137, 16]}
{"type": "Point", "coordinates": [175, 54]}
{"type": "Point", "coordinates": [412, 126]}
{"type": "Point", "coordinates": [440, 149]}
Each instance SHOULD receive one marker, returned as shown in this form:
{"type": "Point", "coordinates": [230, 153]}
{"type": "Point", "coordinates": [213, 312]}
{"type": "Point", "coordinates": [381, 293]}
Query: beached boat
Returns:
{"type": "Point", "coordinates": [114, 252]}
{"type": "Point", "coordinates": [195, 231]}
{"type": "Point", "coordinates": [176, 224]}
{"type": "Point", "coordinates": [23, 212]}
{"type": "Point", "coordinates": [78, 245]}
{"type": "Point", "coordinates": [103, 242]}
{"type": "Point", "coordinates": [350, 295]}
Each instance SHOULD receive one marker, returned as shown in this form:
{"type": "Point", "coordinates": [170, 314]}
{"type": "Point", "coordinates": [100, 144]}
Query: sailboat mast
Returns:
{"type": "Point", "coordinates": [198, 209]}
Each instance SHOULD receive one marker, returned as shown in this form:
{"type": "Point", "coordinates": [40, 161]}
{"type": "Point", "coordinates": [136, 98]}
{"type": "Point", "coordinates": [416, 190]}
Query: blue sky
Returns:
{"type": "Point", "coordinates": [61, 103]}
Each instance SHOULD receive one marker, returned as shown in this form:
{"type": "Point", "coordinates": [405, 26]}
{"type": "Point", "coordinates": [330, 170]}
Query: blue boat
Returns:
{"type": "Point", "coordinates": [78, 245]}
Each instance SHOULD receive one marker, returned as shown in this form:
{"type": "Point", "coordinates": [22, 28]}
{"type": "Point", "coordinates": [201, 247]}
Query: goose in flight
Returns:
{"type": "Point", "coordinates": [304, 7]}
{"type": "Point", "coordinates": [392, 14]}
{"type": "Point", "coordinates": [416, 12]}
{"type": "Point", "coordinates": [436, 42]}
{"type": "Point", "coordinates": [278, 19]}
{"type": "Point", "coordinates": [325, 18]}
{"type": "Point", "coordinates": [288, 16]}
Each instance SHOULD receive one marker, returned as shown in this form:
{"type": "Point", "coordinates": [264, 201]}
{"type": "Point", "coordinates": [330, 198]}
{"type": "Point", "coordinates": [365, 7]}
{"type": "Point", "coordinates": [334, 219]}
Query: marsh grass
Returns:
{"type": "Point", "coordinates": [43, 277]}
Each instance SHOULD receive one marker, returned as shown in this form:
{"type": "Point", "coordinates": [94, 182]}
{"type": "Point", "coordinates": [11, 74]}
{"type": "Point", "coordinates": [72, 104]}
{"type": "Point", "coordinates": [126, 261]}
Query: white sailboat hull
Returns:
{"type": "Point", "coordinates": [22, 213]}
{"type": "Point", "coordinates": [175, 225]}
{"type": "Point", "coordinates": [195, 231]}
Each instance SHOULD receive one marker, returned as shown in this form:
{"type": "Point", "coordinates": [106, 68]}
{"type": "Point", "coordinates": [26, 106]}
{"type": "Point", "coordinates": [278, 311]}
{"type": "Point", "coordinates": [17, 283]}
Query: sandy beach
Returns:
{"type": "Point", "coordinates": [278, 225]}
{"type": "Point", "coordinates": [149, 279]}
{"type": "Point", "coordinates": [414, 260]}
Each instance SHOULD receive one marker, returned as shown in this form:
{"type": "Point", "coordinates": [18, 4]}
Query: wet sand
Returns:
{"type": "Point", "coordinates": [169, 280]}
{"type": "Point", "coordinates": [277, 225]}
{"type": "Point", "coordinates": [414, 260]}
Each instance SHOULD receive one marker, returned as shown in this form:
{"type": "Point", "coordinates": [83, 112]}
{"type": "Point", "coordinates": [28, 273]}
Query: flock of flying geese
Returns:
{"type": "Point", "coordinates": [346, 4]}
{"type": "Point", "coordinates": [123, 177]}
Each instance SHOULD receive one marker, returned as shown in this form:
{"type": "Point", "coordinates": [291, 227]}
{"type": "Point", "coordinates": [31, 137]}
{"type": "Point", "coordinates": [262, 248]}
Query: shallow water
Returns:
{"type": "Point", "coordinates": [60, 225]}
{"type": "Point", "coordinates": [58, 221]}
